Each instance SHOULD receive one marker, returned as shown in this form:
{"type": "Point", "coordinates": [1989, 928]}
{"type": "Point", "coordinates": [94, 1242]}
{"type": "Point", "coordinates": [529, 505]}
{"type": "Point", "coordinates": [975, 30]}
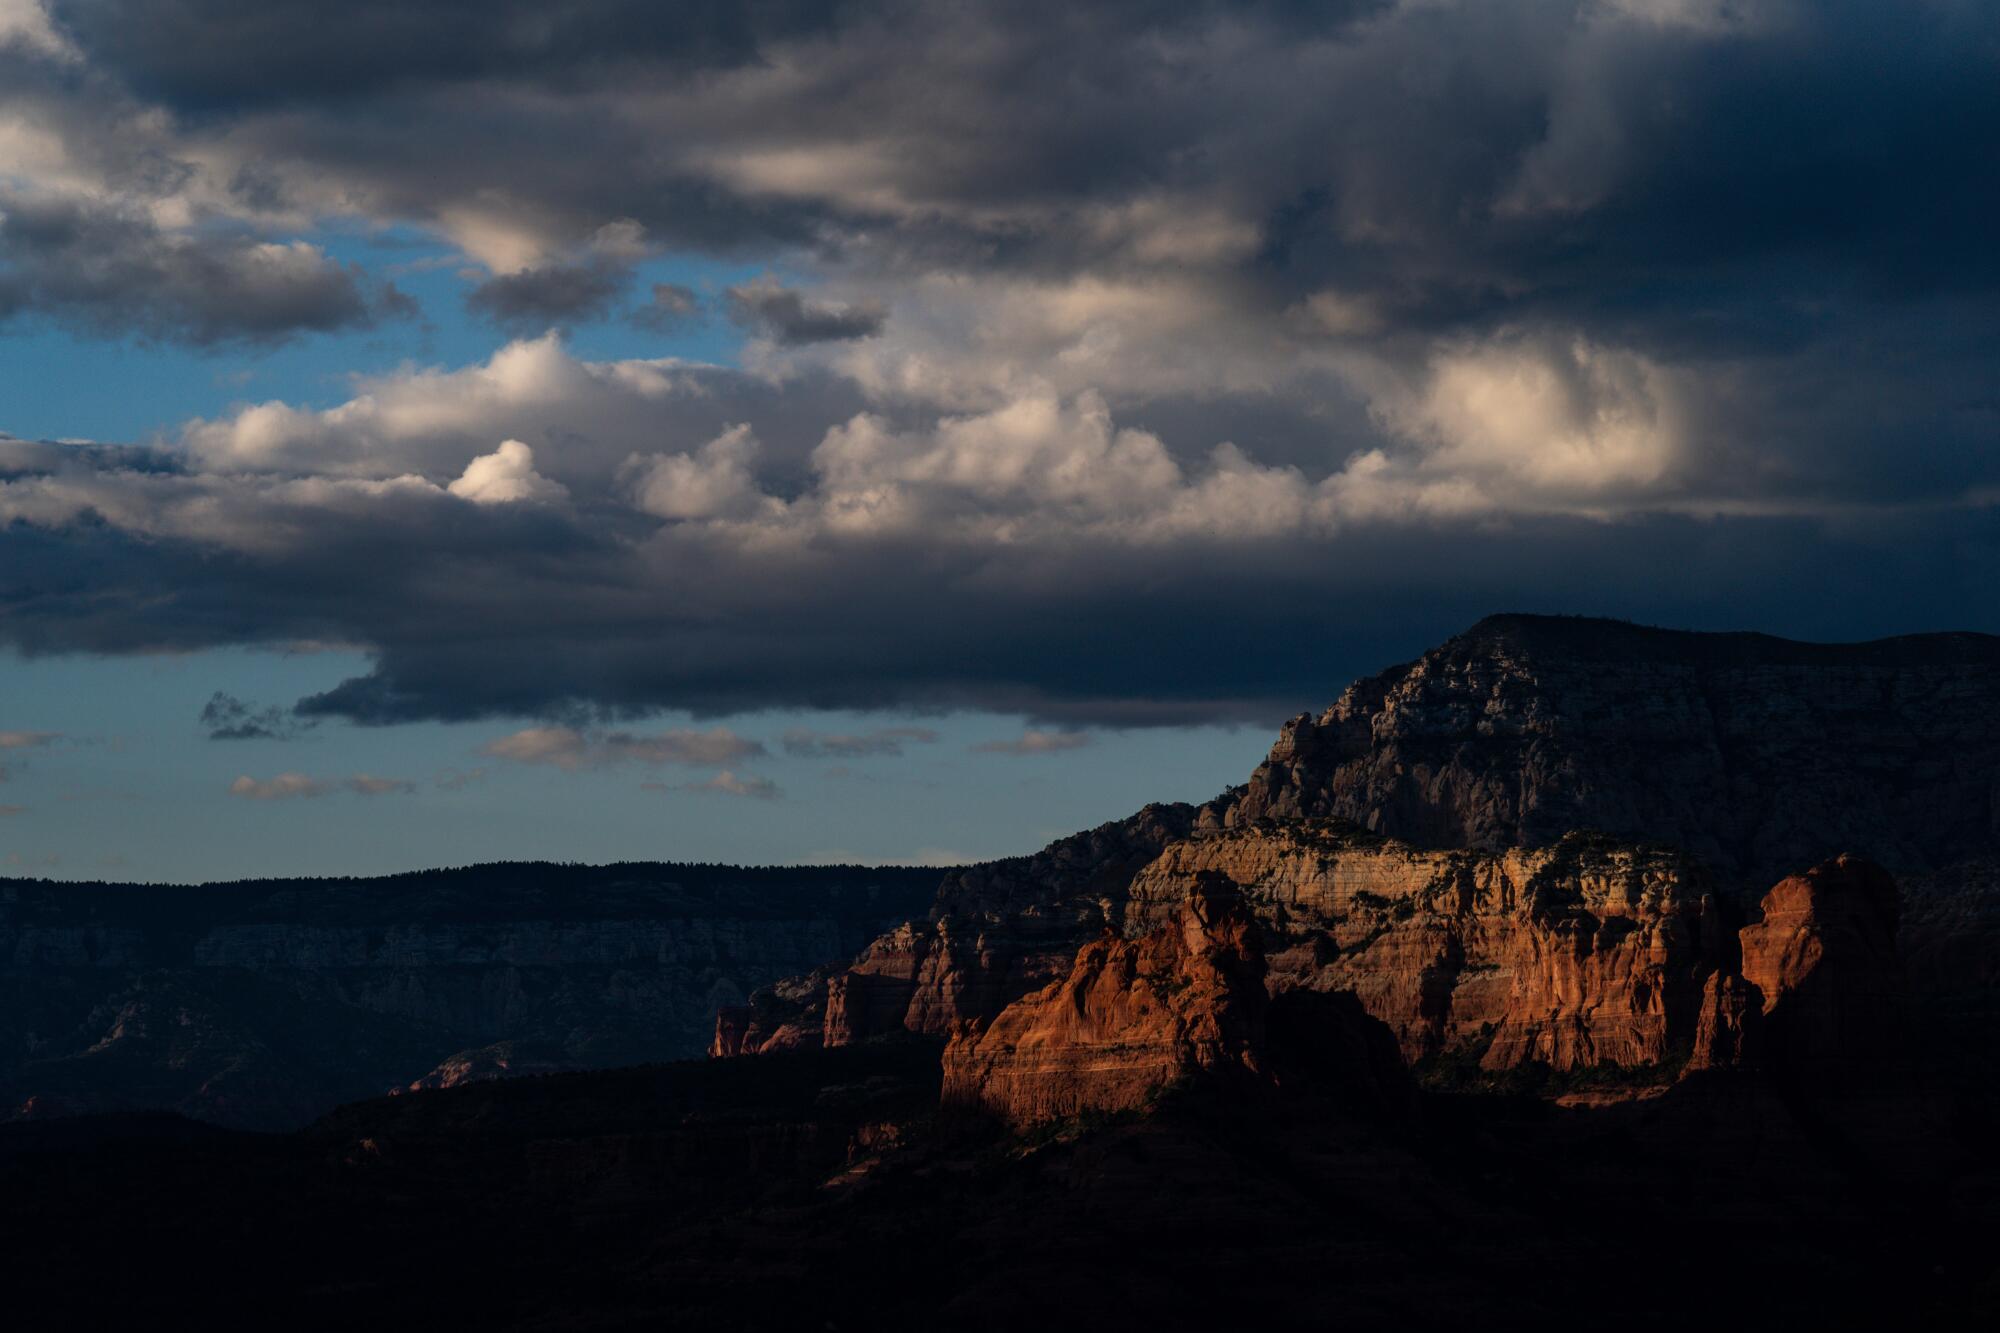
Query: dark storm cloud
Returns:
{"type": "Point", "coordinates": [789, 319]}
{"type": "Point", "coordinates": [227, 718]}
{"type": "Point", "coordinates": [536, 298]}
{"type": "Point", "coordinates": [112, 272]}
{"type": "Point", "coordinates": [214, 54]}
{"type": "Point", "coordinates": [1072, 637]}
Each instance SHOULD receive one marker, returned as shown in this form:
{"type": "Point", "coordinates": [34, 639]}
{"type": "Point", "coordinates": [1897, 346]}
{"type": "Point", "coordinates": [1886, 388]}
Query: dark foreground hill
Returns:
{"type": "Point", "coordinates": [824, 1190]}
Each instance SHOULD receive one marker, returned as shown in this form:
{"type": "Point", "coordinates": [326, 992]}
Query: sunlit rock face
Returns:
{"type": "Point", "coordinates": [1823, 958]}
{"type": "Point", "coordinates": [1585, 953]}
{"type": "Point", "coordinates": [1130, 1019]}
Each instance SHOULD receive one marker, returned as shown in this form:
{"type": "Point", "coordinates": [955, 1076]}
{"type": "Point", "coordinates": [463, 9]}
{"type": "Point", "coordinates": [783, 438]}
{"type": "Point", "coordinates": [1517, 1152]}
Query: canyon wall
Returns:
{"type": "Point", "coordinates": [1583, 956]}
{"type": "Point", "coordinates": [265, 1004]}
{"type": "Point", "coordinates": [1582, 811]}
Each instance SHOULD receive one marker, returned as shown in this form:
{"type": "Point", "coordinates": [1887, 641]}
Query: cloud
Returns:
{"type": "Point", "coordinates": [505, 476]}
{"type": "Point", "coordinates": [1037, 742]}
{"type": "Point", "coordinates": [536, 298]}
{"type": "Point", "coordinates": [1235, 348]}
{"type": "Point", "coordinates": [674, 307]}
{"type": "Point", "coordinates": [284, 786]}
{"type": "Point", "coordinates": [113, 271]}
{"type": "Point", "coordinates": [789, 319]}
{"type": "Point", "coordinates": [28, 740]}
{"type": "Point", "coordinates": [364, 784]}
{"type": "Point", "coordinates": [291, 786]}
{"type": "Point", "coordinates": [728, 784]}
{"type": "Point", "coordinates": [228, 718]}
{"type": "Point", "coordinates": [571, 750]}
{"type": "Point", "coordinates": [804, 743]}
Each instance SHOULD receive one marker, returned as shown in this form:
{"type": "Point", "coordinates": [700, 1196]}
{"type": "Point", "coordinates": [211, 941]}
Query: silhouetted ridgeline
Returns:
{"type": "Point", "coordinates": [265, 1002]}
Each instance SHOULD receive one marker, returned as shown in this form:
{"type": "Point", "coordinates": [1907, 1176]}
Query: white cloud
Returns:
{"type": "Point", "coordinates": [506, 476]}
{"type": "Point", "coordinates": [713, 482]}
{"type": "Point", "coordinates": [1540, 424]}
{"type": "Point", "coordinates": [571, 750]}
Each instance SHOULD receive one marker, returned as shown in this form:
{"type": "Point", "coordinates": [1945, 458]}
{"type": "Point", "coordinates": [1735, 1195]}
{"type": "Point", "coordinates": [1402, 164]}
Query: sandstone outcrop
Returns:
{"type": "Point", "coordinates": [1823, 958]}
{"type": "Point", "coordinates": [1586, 953]}
{"type": "Point", "coordinates": [1132, 1017]}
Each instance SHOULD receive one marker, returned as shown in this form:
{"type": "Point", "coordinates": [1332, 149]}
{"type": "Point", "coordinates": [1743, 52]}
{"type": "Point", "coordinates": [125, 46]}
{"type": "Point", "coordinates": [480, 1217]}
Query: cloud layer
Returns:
{"type": "Point", "coordinates": [1122, 364]}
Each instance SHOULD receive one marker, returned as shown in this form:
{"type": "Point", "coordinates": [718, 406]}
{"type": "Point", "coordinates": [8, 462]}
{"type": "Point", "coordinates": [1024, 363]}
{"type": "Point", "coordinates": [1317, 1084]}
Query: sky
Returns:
{"type": "Point", "coordinates": [795, 430]}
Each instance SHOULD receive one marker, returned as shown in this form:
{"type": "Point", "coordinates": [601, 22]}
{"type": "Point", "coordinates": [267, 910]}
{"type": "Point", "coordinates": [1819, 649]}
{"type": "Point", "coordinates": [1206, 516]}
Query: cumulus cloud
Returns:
{"type": "Point", "coordinates": [1036, 742]}
{"type": "Point", "coordinates": [786, 317]}
{"type": "Point", "coordinates": [714, 481]}
{"type": "Point", "coordinates": [296, 786]}
{"type": "Point", "coordinates": [505, 476]}
{"type": "Point", "coordinates": [571, 750]}
{"type": "Point", "coordinates": [804, 743]}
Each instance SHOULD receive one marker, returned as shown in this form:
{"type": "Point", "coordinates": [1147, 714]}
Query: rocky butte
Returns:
{"type": "Point", "coordinates": [1547, 843]}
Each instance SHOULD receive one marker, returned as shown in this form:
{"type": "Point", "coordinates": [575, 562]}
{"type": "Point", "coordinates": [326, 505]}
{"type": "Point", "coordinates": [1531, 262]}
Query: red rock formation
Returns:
{"type": "Point", "coordinates": [1502, 743]}
{"type": "Point", "coordinates": [1824, 960]}
{"type": "Point", "coordinates": [1133, 1017]}
{"type": "Point", "coordinates": [1586, 953]}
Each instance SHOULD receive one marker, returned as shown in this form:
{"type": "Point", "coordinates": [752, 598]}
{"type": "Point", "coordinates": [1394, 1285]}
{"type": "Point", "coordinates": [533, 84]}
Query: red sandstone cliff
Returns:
{"type": "Point", "coordinates": [1131, 1018]}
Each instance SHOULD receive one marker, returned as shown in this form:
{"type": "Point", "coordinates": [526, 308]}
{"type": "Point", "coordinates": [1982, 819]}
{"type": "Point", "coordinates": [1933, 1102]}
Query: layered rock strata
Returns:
{"type": "Point", "coordinates": [1750, 756]}
{"type": "Point", "coordinates": [1585, 953]}
{"type": "Point", "coordinates": [1581, 955]}
{"type": "Point", "coordinates": [1132, 1018]}
{"type": "Point", "coordinates": [265, 1004]}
